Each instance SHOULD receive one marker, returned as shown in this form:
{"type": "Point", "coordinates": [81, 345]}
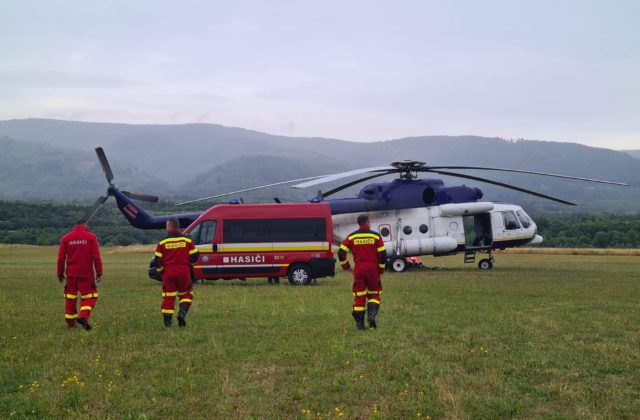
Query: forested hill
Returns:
{"type": "Point", "coordinates": [54, 160]}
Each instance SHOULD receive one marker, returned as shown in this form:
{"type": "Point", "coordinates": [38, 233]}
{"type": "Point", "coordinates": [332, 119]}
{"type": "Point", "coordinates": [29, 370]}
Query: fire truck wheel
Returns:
{"type": "Point", "coordinates": [397, 264]}
{"type": "Point", "coordinates": [300, 274]}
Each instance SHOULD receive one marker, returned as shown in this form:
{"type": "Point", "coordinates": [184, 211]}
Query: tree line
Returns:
{"type": "Point", "coordinates": [45, 223]}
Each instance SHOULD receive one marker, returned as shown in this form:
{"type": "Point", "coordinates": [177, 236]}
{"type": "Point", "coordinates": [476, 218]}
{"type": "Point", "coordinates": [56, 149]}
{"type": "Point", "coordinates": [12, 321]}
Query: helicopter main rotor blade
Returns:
{"type": "Point", "coordinates": [105, 164]}
{"type": "Point", "coordinates": [142, 197]}
{"type": "Point", "coordinates": [501, 184]}
{"type": "Point", "coordinates": [349, 184]}
{"type": "Point", "coordinates": [429, 168]}
{"type": "Point", "coordinates": [250, 189]}
{"type": "Point", "coordinates": [96, 206]}
{"type": "Point", "coordinates": [328, 178]}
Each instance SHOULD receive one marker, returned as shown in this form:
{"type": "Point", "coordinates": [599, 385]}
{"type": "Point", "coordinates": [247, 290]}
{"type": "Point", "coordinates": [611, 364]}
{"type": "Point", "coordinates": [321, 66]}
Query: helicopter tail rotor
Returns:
{"type": "Point", "coordinates": [108, 173]}
{"type": "Point", "coordinates": [106, 168]}
{"type": "Point", "coordinates": [94, 209]}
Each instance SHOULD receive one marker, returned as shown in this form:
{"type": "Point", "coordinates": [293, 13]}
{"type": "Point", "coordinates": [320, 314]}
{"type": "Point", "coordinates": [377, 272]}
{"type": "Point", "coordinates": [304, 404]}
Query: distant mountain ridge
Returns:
{"type": "Point", "coordinates": [634, 153]}
{"type": "Point", "coordinates": [191, 160]}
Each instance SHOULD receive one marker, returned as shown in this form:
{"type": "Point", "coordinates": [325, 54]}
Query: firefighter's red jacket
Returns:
{"type": "Point", "coordinates": [175, 252]}
{"type": "Point", "coordinates": [366, 246]}
{"type": "Point", "coordinates": [79, 249]}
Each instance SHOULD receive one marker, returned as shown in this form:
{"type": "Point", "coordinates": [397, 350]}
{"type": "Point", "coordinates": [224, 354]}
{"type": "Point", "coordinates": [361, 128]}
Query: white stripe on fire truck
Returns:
{"type": "Point", "coordinates": [240, 266]}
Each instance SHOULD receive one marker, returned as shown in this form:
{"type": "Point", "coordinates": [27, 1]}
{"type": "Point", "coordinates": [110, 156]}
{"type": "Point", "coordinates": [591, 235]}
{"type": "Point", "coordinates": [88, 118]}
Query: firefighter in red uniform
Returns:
{"type": "Point", "coordinates": [369, 257]}
{"type": "Point", "coordinates": [79, 252]}
{"type": "Point", "coordinates": [174, 256]}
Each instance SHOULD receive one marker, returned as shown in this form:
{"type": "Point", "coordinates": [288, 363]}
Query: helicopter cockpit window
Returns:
{"type": "Point", "coordinates": [525, 220]}
{"type": "Point", "coordinates": [510, 221]}
{"type": "Point", "coordinates": [204, 232]}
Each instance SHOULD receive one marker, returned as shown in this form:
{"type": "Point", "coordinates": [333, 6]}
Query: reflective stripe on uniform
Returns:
{"type": "Point", "coordinates": [168, 294]}
{"type": "Point", "coordinates": [68, 296]}
{"type": "Point", "coordinates": [374, 292]}
{"type": "Point", "coordinates": [185, 300]}
{"type": "Point", "coordinates": [90, 295]}
{"type": "Point", "coordinates": [158, 254]}
{"type": "Point", "coordinates": [343, 262]}
{"type": "Point", "coordinates": [85, 308]}
{"type": "Point", "coordinates": [168, 311]}
{"type": "Point", "coordinates": [359, 308]}
{"type": "Point", "coordinates": [178, 239]}
{"type": "Point", "coordinates": [381, 265]}
{"type": "Point", "coordinates": [359, 293]}
{"type": "Point", "coordinates": [344, 248]}
{"type": "Point", "coordinates": [184, 293]}
{"type": "Point", "coordinates": [67, 316]}
{"type": "Point", "coordinates": [381, 248]}
{"type": "Point", "coordinates": [159, 269]}
{"type": "Point", "coordinates": [193, 251]}
{"type": "Point", "coordinates": [374, 301]}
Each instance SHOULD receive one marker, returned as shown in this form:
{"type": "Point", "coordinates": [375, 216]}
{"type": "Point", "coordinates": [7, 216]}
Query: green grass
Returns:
{"type": "Point", "coordinates": [549, 336]}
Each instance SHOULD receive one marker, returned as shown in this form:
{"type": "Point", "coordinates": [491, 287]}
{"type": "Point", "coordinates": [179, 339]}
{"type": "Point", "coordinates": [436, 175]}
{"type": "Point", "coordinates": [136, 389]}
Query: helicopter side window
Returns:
{"type": "Point", "coordinates": [510, 221]}
{"type": "Point", "coordinates": [525, 220]}
{"type": "Point", "coordinates": [204, 232]}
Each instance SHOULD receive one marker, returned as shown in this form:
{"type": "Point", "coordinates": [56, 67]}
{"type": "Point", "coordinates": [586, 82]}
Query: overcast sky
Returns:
{"type": "Point", "coordinates": [564, 70]}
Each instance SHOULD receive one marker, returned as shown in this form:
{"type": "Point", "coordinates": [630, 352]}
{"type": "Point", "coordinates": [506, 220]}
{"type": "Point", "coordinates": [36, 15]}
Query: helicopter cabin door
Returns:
{"type": "Point", "coordinates": [479, 233]}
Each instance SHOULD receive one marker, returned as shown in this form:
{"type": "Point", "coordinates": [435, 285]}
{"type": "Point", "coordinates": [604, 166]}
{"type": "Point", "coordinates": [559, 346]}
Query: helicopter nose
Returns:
{"type": "Point", "coordinates": [537, 240]}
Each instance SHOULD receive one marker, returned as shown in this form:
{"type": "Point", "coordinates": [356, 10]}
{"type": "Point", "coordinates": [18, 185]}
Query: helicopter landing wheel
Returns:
{"type": "Point", "coordinates": [485, 264]}
{"type": "Point", "coordinates": [397, 265]}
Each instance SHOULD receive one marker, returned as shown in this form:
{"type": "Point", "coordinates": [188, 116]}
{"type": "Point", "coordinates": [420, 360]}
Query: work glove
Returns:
{"type": "Point", "coordinates": [98, 279]}
{"type": "Point", "coordinates": [61, 279]}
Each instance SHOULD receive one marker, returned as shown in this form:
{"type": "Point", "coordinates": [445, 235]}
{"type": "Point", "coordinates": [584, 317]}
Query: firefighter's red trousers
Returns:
{"type": "Point", "coordinates": [176, 283]}
{"type": "Point", "coordinates": [83, 287]}
{"type": "Point", "coordinates": [366, 286]}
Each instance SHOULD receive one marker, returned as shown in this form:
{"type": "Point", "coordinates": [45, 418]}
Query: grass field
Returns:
{"type": "Point", "coordinates": [547, 336]}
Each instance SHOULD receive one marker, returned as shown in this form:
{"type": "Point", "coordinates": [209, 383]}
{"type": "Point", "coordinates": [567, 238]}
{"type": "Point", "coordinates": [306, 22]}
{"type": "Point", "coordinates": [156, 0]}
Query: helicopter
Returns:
{"type": "Point", "coordinates": [414, 216]}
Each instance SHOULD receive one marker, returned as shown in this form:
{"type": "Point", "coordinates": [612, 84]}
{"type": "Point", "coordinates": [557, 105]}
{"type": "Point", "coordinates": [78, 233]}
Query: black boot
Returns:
{"type": "Point", "coordinates": [167, 320]}
{"type": "Point", "coordinates": [182, 314]}
{"type": "Point", "coordinates": [372, 310]}
{"type": "Point", "coordinates": [359, 317]}
{"type": "Point", "coordinates": [85, 324]}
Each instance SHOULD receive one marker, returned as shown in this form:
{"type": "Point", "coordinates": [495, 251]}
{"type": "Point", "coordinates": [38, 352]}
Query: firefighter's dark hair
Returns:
{"type": "Point", "coordinates": [81, 221]}
{"type": "Point", "coordinates": [173, 223]}
{"type": "Point", "coordinates": [363, 219]}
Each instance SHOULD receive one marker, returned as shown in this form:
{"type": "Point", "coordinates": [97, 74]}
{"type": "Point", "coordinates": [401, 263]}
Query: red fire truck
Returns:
{"type": "Point", "coordinates": [264, 240]}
